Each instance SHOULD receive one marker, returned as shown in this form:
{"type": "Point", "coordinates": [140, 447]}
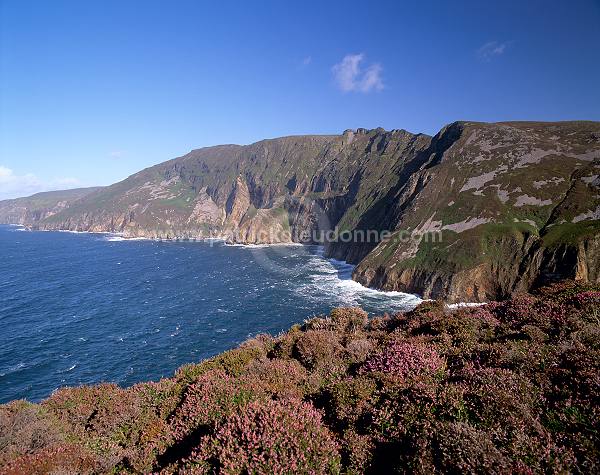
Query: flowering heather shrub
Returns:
{"type": "Point", "coordinates": [314, 348]}
{"type": "Point", "coordinates": [459, 447]}
{"type": "Point", "coordinates": [357, 452]}
{"type": "Point", "coordinates": [26, 429]}
{"type": "Point", "coordinates": [563, 292]}
{"type": "Point", "coordinates": [405, 360]}
{"type": "Point", "coordinates": [278, 437]}
{"type": "Point", "coordinates": [591, 297]}
{"type": "Point", "coordinates": [214, 396]}
{"type": "Point", "coordinates": [575, 376]}
{"type": "Point", "coordinates": [484, 315]}
{"type": "Point", "coordinates": [233, 362]}
{"type": "Point", "coordinates": [524, 310]}
{"type": "Point", "coordinates": [277, 378]}
{"type": "Point", "coordinates": [350, 398]}
{"type": "Point", "coordinates": [509, 387]}
{"type": "Point", "coordinates": [106, 409]}
{"type": "Point", "coordinates": [349, 320]}
{"type": "Point", "coordinates": [403, 412]}
{"type": "Point", "coordinates": [494, 396]}
{"type": "Point", "coordinates": [379, 323]}
{"type": "Point", "coordinates": [67, 459]}
{"type": "Point", "coordinates": [283, 346]}
{"type": "Point", "coordinates": [589, 303]}
{"type": "Point", "coordinates": [119, 426]}
{"type": "Point", "coordinates": [317, 323]}
{"type": "Point", "coordinates": [358, 349]}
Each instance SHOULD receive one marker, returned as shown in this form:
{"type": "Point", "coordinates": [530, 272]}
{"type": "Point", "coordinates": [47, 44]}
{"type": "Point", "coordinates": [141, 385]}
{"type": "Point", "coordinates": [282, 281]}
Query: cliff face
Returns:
{"type": "Point", "coordinates": [475, 213]}
{"type": "Point", "coordinates": [497, 208]}
{"type": "Point", "coordinates": [280, 190]}
{"type": "Point", "coordinates": [35, 208]}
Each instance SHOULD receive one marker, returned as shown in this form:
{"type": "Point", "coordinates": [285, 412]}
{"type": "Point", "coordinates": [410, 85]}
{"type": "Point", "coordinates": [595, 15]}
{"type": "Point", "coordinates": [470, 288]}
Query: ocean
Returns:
{"type": "Point", "coordinates": [79, 308]}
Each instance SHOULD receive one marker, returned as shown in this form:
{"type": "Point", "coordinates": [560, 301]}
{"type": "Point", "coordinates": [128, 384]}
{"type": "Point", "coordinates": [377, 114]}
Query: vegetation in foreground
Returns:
{"type": "Point", "coordinates": [509, 387]}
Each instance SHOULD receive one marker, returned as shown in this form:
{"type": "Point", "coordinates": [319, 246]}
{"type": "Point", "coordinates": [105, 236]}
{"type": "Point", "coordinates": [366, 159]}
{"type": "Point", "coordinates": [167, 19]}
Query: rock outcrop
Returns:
{"type": "Point", "coordinates": [477, 212]}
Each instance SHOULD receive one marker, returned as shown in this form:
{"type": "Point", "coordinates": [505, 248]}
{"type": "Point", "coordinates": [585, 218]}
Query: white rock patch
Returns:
{"type": "Point", "coordinates": [468, 223]}
{"type": "Point", "coordinates": [526, 200]}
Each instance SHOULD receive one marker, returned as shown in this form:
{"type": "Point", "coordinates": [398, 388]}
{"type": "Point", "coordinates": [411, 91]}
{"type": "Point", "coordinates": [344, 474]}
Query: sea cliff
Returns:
{"type": "Point", "coordinates": [477, 212]}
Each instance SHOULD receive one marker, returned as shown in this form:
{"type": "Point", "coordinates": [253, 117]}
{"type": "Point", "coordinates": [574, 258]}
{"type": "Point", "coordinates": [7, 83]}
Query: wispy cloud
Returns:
{"type": "Point", "coordinates": [351, 77]}
{"type": "Point", "coordinates": [303, 63]}
{"type": "Point", "coordinates": [116, 153]}
{"type": "Point", "coordinates": [490, 49]}
{"type": "Point", "coordinates": [13, 185]}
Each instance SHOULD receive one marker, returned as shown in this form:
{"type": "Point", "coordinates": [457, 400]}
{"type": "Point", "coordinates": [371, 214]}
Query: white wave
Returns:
{"type": "Point", "coordinates": [13, 369]}
{"type": "Point", "coordinates": [68, 370]}
{"type": "Point", "coordinates": [332, 279]}
{"type": "Point", "coordinates": [121, 238]}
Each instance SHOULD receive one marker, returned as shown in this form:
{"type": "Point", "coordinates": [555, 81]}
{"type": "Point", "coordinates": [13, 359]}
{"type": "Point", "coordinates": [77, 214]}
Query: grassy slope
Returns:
{"type": "Point", "coordinates": [508, 387]}
{"type": "Point", "coordinates": [44, 201]}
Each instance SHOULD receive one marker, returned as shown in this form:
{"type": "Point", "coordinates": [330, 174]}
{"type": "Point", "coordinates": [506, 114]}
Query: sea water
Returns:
{"type": "Point", "coordinates": [79, 308]}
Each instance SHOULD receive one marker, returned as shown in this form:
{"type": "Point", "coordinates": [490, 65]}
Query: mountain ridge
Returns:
{"type": "Point", "coordinates": [516, 204]}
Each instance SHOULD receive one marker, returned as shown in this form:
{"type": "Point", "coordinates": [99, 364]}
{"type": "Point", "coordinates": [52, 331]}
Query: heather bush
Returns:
{"type": "Point", "coordinates": [380, 324]}
{"type": "Point", "coordinates": [575, 377]}
{"type": "Point", "coordinates": [348, 400]}
{"type": "Point", "coordinates": [405, 360]}
{"type": "Point", "coordinates": [316, 348]}
{"type": "Point", "coordinates": [277, 378]}
{"type": "Point", "coordinates": [495, 397]}
{"type": "Point", "coordinates": [465, 328]}
{"type": "Point", "coordinates": [563, 292]}
{"type": "Point", "coordinates": [357, 451]}
{"type": "Point", "coordinates": [232, 362]}
{"type": "Point", "coordinates": [25, 429]}
{"type": "Point", "coordinates": [97, 410]}
{"type": "Point", "coordinates": [459, 447]}
{"type": "Point", "coordinates": [349, 320]}
{"type": "Point", "coordinates": [61, 459]}
{"type": "Point", "coordinates": [317, 323]}
{"type": "Point", "coordinates": [214, 396]}
{"type": "Point", "coordinates": [403, 412]}
{"type": "Point", "coordinates": [283, 346]}
{"type": "Point", "coordinates": [122, 427]}
{"type": "Point", "coordinates": [508, 387]}
{"type": "Point", "coordinates": [358, 349]}
{"type": "Point", "coordinates": [276, 437]}
{"type": "Point", "coordinates": [589, 304]}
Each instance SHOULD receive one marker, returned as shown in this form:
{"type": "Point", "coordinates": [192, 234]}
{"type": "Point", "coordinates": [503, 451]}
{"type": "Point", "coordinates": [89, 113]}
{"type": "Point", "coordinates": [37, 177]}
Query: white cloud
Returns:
{"type": "Point", "coordinates": [491, 49]}
{"type": "Point", "coordinates": [14, 186]}
{"type": "Point", "coordinates": [116, 153]}
{"type": "Point", "coordinates": [306, 61]}
{"type": "Point", "coordinates": [350, 76]}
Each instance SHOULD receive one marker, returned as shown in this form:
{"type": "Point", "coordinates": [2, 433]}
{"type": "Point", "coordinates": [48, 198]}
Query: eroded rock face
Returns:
{"type": "Point", "coordinates": [35, 208]}
{"type": "Point", "coordinates": [513, 204]}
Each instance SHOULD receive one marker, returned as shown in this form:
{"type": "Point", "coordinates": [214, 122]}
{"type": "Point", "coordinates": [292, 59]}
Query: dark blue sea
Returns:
{"type": "Point", "coordinates": [89, 308]}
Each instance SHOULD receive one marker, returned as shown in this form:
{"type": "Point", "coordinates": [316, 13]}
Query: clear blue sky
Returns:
{"type": "Point", "coordinates": [93, 91]}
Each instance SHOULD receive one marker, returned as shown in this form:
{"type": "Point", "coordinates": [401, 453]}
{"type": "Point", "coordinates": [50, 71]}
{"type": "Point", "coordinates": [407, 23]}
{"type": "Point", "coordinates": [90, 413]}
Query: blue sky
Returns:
{"type": "Point", "coordinates": [93, 91]}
